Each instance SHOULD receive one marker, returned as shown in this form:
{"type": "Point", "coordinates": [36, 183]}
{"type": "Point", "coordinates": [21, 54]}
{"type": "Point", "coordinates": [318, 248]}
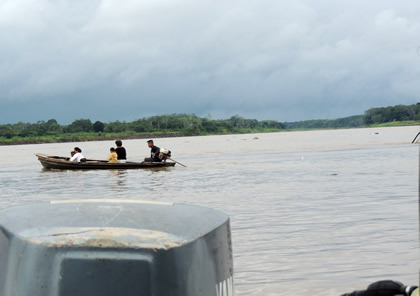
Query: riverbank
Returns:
{"type": "Point", "coordinates": [396, 123]}
{"type": "Point", "coordinates": [84, 137]}
{"type": "Point", "coordinates": [88, 137]}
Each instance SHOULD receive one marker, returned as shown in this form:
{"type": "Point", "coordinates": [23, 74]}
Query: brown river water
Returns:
{"type": "Point", "coordinates": [312, 213]}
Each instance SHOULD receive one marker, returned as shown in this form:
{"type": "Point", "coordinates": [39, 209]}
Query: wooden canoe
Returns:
{"type": "Point", "coordinates": [63, 163]}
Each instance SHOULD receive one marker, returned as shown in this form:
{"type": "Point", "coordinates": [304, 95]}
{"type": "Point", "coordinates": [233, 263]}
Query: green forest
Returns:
{"type": "Point", "coordinates": [192, 125]}
{"type": "Point", "coordinates": [392, 114]}
{"type": "Point", "coordinates": [386, 116]}
{"type": "Point", "coordinates": [154, 126]}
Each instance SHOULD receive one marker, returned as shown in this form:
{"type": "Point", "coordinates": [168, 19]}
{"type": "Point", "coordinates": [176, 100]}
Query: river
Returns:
{"type": "Point", "coordinates": [312, 212]}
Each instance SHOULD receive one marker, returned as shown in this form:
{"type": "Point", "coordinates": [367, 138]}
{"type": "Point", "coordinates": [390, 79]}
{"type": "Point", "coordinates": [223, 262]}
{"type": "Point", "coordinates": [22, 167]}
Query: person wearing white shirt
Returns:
{"type": "Point", "coordinates": [78, 155]}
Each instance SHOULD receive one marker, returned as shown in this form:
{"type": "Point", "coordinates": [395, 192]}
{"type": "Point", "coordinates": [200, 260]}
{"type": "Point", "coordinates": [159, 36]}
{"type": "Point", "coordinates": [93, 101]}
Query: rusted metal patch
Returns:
{"type": "Point", "coordinates": [98, 237]}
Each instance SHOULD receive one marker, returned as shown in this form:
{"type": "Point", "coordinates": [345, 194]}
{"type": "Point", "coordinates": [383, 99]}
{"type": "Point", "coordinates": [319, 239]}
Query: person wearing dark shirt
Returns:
{"type": "Point", "coordinates": [122, 154]}
{"type": "Point", "coordinates": [154, 152]}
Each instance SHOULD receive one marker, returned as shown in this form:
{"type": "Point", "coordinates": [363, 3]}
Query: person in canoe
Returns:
{"type": "Point", "coordinates": [121, 152]}
{"type": "Point", "coordinates": [154, 152]}
{"type": "Point", "coordinates": [113, 157]}
{"type": "Point", "coordinates": [78, 155]}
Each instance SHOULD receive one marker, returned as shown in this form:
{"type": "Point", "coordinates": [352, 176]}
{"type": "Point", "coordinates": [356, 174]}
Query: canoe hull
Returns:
{"type": "Point", "coordinates": [62, 163]}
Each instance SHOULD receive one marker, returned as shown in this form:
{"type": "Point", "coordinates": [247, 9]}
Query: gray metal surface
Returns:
{"type": "Point", "coordinates": [114, 247]}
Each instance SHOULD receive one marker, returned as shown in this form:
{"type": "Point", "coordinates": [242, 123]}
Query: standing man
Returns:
{"type": "Point", "coordinates": [154, 152]}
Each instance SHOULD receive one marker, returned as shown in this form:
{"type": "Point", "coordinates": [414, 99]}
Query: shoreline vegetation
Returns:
{"type": "Point", "coordinates": [184, 125]}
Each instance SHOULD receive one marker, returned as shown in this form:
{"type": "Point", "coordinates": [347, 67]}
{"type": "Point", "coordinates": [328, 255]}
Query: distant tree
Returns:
{"type": "Point", "coordinates": [52, 127]}
{"type": "Point", "coordinates": [52, 121]}
{"type": "Point", "coordinates": [98, 127]}
{"type": "Point", "coordinates": [271, 124]}
{"type": "Point", "coordinates": [6, 131]}
{"type": "Point", "coordinates": [251, 123]}
{"type": "Point", "coordinates": [236, 121]}
{"type": "Point", "coordinates": [392, 113]}
{"type": "Point", "coordinates": [139, 125]}
{"type": "Point", "coordinates": [80, 125]}
{"type": "Point", "coordinates": [210, 126]}
{"type": "Point", "coordinates": [115, 127]}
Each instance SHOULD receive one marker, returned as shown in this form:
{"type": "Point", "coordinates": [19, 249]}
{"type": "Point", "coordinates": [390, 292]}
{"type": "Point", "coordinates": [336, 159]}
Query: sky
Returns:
{"type": "Point", "coordinates": [266, 59]}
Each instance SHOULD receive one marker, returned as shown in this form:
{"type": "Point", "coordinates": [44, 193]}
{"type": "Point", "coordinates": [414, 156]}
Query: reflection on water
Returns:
{"type": "Point", "coordinates": [117, 179]}
{"type": "Point", "coordinates": [317, 213]}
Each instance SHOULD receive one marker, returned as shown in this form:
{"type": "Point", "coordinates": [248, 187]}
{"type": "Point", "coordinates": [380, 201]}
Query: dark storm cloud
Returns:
{"type": "Point", "coordinates": [284, 60]}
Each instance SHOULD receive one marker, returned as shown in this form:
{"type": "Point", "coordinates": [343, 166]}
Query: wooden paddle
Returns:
{"type": "Point", "coordinates": [415, 138]}
{"type": "Point", "coordinates": [176, 161]}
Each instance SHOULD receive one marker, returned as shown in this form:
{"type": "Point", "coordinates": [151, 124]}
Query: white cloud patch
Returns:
{"type": "Point", "coordinates": [285, 60]}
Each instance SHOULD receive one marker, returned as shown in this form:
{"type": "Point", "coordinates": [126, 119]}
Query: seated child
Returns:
{"type": "Point", "coordinates": [113, 157]}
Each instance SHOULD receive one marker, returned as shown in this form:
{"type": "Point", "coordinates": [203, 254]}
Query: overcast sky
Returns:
{"type": "Point", "coordinates": [266, 59]}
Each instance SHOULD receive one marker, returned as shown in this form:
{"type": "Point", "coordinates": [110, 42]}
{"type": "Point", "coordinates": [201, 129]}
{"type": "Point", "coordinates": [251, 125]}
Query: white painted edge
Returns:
{"type": "Point", "coordinates": [123, 201]}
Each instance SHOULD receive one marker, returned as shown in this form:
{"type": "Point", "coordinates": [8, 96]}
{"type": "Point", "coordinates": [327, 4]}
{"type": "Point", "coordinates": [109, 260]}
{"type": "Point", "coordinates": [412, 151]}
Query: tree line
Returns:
{"type": "Point", "coordinates": [372, 116]}
{"type": "Point", "coordinates": [392, 113]}
{"type": "Point", "coordinates": [345, 122]}
{"type": "Point", "coordinates": [188, 124]}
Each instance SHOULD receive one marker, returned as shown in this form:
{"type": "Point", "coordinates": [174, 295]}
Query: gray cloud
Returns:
{"type": "Point", "coordinates": [284, 60]}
